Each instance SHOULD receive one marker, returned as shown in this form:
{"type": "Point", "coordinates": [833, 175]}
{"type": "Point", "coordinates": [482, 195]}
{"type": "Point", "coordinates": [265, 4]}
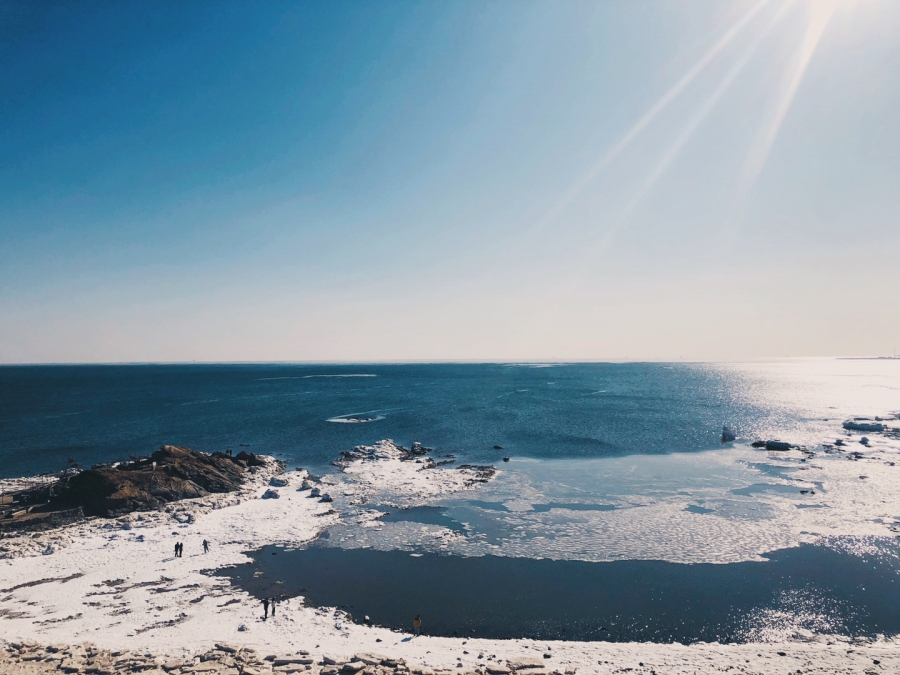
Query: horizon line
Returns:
{"type": "Point", "coordinates": [390, 362]}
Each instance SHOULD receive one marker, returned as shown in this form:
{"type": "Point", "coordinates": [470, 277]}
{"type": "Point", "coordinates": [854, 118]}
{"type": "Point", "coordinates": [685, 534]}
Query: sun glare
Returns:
{"type": "Point", "coordinates": [820, 13]}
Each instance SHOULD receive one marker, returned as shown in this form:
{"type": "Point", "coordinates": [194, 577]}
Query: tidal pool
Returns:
{"type": "Point", "coordinates": [845, 586]}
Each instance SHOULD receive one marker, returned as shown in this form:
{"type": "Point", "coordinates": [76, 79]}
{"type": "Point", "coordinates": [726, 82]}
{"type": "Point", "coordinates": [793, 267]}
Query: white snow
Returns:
{"type": "Point", "coordinates": [115, 582]}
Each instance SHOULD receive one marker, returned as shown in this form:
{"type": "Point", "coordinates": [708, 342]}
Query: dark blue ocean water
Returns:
{"type": "Point", "coordinates": [603, 547]}
{"type": "Point", "coordinates": [97, 414]}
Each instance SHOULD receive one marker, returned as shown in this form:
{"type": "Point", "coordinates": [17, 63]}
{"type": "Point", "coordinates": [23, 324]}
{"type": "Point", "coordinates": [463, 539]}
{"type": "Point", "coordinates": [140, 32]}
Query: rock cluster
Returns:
{"type": "Point", "coordinates": [30, 658]}
{"type": "Point", "coordinates": [169, 474]}
{"type": "Point", "coordinates": [417, 454]}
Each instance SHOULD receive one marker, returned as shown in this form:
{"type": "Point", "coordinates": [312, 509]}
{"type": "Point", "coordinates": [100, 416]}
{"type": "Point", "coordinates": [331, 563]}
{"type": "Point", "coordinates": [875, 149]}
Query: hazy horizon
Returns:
{"type": "Point", "coordinates": [457, 182]}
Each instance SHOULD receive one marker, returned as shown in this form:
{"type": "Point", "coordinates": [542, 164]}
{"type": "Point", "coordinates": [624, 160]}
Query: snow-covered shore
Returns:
{"type": "Point", "coordinates": [115, 583]}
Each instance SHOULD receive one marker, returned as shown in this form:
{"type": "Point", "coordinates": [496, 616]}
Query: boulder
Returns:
{"type": "Point", "coordinates": [777, 445]}
{"type": "Point", "coordinates": [270, 494]}
{"type": "Point", "coordinates": [525, 662]}
{"type": "Point", "coordinates": [169, 474]}
{"type": "Point", "coordinates": [249, 459]}
{"type": "Point", "coordinates": [864, 426]}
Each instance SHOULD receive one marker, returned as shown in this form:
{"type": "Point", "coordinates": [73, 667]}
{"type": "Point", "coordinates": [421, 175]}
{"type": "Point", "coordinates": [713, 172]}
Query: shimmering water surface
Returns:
{"type": "Point", "coordinates": [102, 413]}
{"type": "Point", "coordinates": [619, 514]}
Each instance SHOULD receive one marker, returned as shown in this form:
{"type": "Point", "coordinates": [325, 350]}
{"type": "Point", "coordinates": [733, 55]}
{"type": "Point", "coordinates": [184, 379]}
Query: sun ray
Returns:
{"type": "Point", "coordinates": [820, 13]}
{"type": "Point", "coordinates": [648, 117]}
{"type": "Point", "coordinates": [675, 148]}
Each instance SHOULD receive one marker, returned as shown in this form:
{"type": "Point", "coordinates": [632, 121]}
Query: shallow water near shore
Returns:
{"type": "Point", "coordinates": [849, 586]}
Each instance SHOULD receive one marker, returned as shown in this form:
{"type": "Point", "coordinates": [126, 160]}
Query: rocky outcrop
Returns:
{"type": "Point", "coordinates": [169, 474]}
{"type": "Point", "coordinates": [28, 658]}
{"type": "Point", "coordinates": [871, 427]}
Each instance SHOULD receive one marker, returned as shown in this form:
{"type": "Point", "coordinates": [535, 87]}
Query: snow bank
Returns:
{"type": "Point", "coordinates": [115, 583]}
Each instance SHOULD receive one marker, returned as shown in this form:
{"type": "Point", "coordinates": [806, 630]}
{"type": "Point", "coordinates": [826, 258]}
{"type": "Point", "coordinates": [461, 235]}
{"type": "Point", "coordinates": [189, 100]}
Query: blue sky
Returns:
{"type": "Point", "coordinates": [458, 180]}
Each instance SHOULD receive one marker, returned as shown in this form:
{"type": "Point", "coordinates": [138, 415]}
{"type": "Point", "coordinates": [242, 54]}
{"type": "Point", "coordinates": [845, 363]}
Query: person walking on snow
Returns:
{"type": "Point", "coordinates": [266, 608]}
{"type": "Point", "coordinates": [205, 546]}
{"type": "Point", "coordinates": [417, 625]}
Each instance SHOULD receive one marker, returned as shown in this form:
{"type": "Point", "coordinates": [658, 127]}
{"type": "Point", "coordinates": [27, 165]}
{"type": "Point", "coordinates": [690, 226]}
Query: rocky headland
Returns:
{"type": "Point", "coordinates": [170, 474]}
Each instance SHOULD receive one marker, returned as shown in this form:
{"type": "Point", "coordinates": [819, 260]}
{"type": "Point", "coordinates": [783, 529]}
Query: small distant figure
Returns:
{"type": "Point", "coordinates": [176, 549]}
{"type": "Point", "coordinates": [273, 608]}
{"type": "Point", "coordinates": [266, 608]}
{"type": "Point", "coordinates": [417, 625]}
{"type": "Point", "coordinates": [180, 552]}
{"type": "Point", "coordinates": [205, 546]}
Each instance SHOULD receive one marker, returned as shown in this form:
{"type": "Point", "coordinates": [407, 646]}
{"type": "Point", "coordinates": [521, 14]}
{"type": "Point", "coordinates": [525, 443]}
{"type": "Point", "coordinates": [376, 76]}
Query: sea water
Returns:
{"type": "Point", "coordinates": [93, 414]}
{"type": "Point", "coordinates": [618, 500]}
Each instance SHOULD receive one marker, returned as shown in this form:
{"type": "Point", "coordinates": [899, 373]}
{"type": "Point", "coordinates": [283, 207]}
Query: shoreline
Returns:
{"type": "Point", "coordinates": [113, 582]}
{"type": "Point", "coordinates": [455, 656]}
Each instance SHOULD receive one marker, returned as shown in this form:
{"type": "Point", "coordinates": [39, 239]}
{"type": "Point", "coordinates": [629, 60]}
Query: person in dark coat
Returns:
{"type": "Point", "coordinates": [176, 549]}
{"type": "Point", "coordinates": [205, 546]}
{"type": "Point", "coordinates": [266, 608]}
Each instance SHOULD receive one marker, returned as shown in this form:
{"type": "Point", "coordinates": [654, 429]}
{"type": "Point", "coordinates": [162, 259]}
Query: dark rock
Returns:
{"type": "Point", "coordinates": [506, 459]}
{"type": "Point", "coordinates": [862, 426]}
{"type": "Point", "coordinates": [758, 444]}
{"type": "Point", "coordinates": [170, 474]}
{"type": "Point", "coordinates": [480, 473]}
{"type": "Point", "coordinates": [777, 445]}
{"type": "Point", "coordinates": [498, 447]}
